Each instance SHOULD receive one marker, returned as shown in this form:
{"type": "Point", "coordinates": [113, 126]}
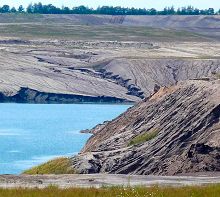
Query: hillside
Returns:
{"type": "Point", "coordinates": [95, 58]}
{"type": "Point", "coordinates": [167, 65]}
{"type": "Point", "coordinates": [175, 131]}
{"type": "Point", "coordinates": [172, 21]}
{"type": "Point", "coordinates": [201, 24]}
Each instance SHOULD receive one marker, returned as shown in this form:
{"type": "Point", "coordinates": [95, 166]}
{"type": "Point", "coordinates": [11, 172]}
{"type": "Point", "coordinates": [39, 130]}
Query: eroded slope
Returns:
{"type": "Point", "coordinates": [95, 58]}
{"type": "Point", "coordinates": [77, 71]}
{"type": "Point", "coordinates": [185, 121]}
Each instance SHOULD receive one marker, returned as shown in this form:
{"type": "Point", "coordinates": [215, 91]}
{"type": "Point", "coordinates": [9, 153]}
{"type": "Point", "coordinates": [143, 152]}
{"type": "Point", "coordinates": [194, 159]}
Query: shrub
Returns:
{"type": "Point", "coordinates": [144, 137]}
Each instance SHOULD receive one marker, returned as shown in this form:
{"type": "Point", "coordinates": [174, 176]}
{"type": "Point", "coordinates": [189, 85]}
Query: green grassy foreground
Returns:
{"type": "Point", "coordinates": [56, 166]}
{"type": "Point", "coordinates": [202, 191]}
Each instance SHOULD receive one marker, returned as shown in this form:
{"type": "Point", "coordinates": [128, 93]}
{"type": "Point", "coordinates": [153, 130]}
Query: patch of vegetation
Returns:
{"type": "Point", "coordinates": [56, 166]}
{"type": "Point", "coordinates": [155, 191]}
{"type": "Point", "coordinates": [107, 10]}
{"type": "Point", "coordinates": [144, 137]}
{"type": "Point", "coordinates": [217, 75]}
{"type": "Point", "coordinates": [62, 29]}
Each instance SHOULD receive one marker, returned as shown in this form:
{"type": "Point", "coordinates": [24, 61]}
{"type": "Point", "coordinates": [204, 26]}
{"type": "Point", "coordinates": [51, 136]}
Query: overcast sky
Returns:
{"type": "Point", "coordinates": [158, 4]}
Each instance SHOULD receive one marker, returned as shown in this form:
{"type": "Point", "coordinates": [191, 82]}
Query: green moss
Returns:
{"type": "Point", "coordinates": [56, 166]}
{"type": "Point", "coordinates": [144, 137]}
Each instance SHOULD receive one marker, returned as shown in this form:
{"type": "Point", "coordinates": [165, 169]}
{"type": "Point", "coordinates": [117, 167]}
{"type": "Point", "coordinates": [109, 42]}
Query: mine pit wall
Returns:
{"type": "Point", "coordinates": [148, 75]}
{"type": "Point", "coordinates": [143, 77]}
{"type": "Point", "coordinates": [188, 146]}
{"type": "Point", "coordinates": [26, 95]}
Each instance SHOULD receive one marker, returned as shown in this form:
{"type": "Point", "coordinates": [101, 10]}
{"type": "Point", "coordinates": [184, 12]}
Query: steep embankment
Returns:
{"type": "Point", "coordinates": [148, 75]}
{"type": "Point", "coordinates": [26, 79]}
{"type": "Point", "coordinates": [174, 131]}
{"type": "Point", "coordinates": [62, 76]}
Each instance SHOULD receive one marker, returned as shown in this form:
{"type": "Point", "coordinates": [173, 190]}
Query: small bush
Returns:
{"type": "Point", "coordinates": [144, 137]}
{"type": "Point", "coordinates": [56, 166]}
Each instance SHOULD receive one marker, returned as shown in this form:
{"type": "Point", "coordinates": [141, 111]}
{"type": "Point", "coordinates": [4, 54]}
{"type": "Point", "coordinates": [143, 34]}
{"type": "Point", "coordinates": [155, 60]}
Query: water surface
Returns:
{"type": "Point", "coordinates": [31, 134]}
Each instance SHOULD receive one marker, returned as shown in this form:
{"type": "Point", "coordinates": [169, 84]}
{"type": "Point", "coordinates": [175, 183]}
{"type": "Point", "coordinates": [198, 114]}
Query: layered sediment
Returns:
{"type": "Point", "coordinates": [186, 121]}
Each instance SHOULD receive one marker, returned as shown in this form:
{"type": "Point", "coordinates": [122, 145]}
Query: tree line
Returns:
{"type": "Point", "coordinates": [39, 8]}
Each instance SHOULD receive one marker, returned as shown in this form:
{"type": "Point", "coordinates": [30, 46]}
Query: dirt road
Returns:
{"type": "Point", "coordinates": [99, 180]}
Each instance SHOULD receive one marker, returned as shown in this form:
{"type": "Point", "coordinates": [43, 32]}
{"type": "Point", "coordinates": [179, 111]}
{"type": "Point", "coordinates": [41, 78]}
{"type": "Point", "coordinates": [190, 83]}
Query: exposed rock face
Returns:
{"type": "Point", "coordinates": [96, 58]}
{"type": "Point", "coordinates": [96, 129]}
{"type": "Point", "coordinates": [154, 73]}
{"type": "Point", "coordinates": [58, 78]}
{"type": "Point", "coordinates": [187, 118]}
{"type": "Point", "coordinates": [26, 95]}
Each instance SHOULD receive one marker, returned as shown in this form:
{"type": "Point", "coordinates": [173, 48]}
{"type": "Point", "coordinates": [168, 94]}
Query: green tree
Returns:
{"type": "Point", "coordinates": [30, 8]}
{"type": "Point", "coordinates": [211, 11]}
{"type": "Point", "coordinates": [109, 10]}
{"type": "Point", "coordinates": [13, 10]}
{"type": "Point", "coordinates": [5, 9]}
{"type": "Point", "coordinates": [38, 8]}
{"type": "Point", "coordinates": [153, 11]}
{"type": "Point", "coordinates": [21, 9]}
{"type": "Point", "coordinates": [66, 10]}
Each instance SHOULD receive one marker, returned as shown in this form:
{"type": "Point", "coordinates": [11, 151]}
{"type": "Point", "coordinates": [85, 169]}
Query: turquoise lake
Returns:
{"type": "Point", "coordinates": [31, 134]}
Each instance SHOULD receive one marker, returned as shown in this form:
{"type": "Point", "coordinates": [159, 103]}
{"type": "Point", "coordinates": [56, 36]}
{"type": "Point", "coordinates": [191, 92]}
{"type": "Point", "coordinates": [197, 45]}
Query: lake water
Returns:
{"type": "Point", "coordinates": [31, 134]}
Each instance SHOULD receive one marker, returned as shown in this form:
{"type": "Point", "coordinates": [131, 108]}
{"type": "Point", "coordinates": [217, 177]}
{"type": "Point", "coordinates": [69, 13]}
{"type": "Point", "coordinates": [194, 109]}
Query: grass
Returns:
{"type": "Point", "coordinates": [217, 75]}
{"type": "Point", "coordinates": [36, 28]}
{"type": "Point", "coordinates": [20, 18]}
{"type": "Point", "coordinates": [144, 137]}
{"type": "Point", "coordinates": [56, 166]}
{"type": "Point", "coordinates": [155, 191]}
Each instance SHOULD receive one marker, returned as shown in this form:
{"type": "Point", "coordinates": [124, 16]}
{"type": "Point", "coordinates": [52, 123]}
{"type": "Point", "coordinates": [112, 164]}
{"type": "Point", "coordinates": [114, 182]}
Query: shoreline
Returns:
{"type": "Point", "coordinates": [75, 103]}
{"type": "Point", "coordinates": [72, 152]}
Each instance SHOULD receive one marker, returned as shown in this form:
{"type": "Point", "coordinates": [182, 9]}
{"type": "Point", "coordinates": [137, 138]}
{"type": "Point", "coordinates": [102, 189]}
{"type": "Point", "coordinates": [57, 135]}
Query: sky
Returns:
{"type": "Point", "coordinates": [158, 4]}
